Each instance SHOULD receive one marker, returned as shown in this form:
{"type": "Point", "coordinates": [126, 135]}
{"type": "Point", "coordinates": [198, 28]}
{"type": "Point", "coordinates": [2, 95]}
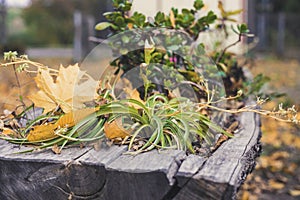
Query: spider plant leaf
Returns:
{"type": "Point", "coordinates": [159, 135]}
{"type": "Point", "coordinates": [135, 134]}
{"type": "Point", "coordinates": [149, 142]}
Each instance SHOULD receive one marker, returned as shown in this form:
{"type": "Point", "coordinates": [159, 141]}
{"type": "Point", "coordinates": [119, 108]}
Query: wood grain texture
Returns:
{"type": "Point", "coordinates": [108, 173]}
{"type": "Point", "coordinates": [224, 172]}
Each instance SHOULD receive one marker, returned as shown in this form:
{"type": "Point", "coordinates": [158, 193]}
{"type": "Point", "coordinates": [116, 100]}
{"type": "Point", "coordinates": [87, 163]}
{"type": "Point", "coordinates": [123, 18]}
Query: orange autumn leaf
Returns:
{"type": "Point", "coordinates": [72, 118]}
{"type": "Point", "coordinates": [47, 131]}
{"type": "Point", "coordinates": [67, 91]}
{"type": "Point", "coordinates": [275, 184]}
{"type": "Point", "coordinates": [115, 130]}
{"type": "Point", "coordinates": [42, 132]}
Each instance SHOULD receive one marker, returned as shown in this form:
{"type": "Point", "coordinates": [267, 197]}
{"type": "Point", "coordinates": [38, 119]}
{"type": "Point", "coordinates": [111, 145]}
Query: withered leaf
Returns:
{"type": "Point", "coordinates": [172, 19]}
{"type": "Point", "coordinates": [67, 91]}
{"type": "Point", "coordinates": [294, 193]}
{"type": "Point", "coordinates": [133, 94]}
{"type": "Point", "coordinates": [115, 129]}
{"type": "Point", "coordinates": [42, 132]}
{"type": "Point", "coordinates": [47, 131]}
{"type": "Point", "coordinates": [72, 118]}
{"type": "Point", "coordinates": [275, 184]}
{"type": "Point", "coordinates": [56, 149]}
{"type": "Point", "coordinates": [9, 132]}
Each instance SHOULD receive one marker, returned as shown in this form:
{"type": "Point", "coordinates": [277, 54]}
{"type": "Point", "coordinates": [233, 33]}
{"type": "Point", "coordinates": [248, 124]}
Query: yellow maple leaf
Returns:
{"type": "Point", "coordinates": [67, 90]}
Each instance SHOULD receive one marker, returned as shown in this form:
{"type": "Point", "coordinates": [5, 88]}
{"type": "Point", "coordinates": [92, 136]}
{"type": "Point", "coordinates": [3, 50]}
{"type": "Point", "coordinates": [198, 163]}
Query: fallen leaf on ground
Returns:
{"type": "Point", "coordinates": [280, 155]}
{"type": "Point", "coordinates": [290, 169]}
{"type": "Point", "coordinates": [115, 129]}
{"type": "Point", "coordinates": [245, 195]}
{"type": "Point", "coordinates": [294, 193]}
{"type": "Point", "coordinates": [275, 184]}
{"type": "Point", "coordinates": [42, 132]}
{"type": "Point", "coordinates": [66, 91]}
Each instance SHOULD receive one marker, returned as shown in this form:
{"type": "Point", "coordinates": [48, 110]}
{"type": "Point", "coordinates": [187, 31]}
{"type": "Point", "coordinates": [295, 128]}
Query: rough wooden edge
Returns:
{"type": "Point", "coordinates": [224, 172]}
{"type": "Point", "coordinates": [109, 174]}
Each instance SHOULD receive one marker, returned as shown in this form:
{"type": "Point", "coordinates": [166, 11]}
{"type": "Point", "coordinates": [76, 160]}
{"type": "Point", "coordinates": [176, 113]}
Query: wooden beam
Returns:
{"type": "Point", "coordinates": [108, 173]}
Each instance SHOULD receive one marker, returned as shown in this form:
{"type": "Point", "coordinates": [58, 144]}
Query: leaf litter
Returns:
{"type": "Point", "coordinates": [277, 172]}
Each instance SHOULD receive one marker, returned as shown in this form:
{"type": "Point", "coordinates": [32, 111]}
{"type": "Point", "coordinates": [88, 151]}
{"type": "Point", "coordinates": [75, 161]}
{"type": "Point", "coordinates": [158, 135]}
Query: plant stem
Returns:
{"type": "Point", "coordinates": [242, 110]}
{"type": "Point", "coordinates": [17, 79]}
{"type": "Point", "coordinates": [229, 46]}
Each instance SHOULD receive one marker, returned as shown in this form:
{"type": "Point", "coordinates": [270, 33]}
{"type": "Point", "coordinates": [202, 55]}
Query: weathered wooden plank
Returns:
{"type": "Point", "coordinates": [109, 174]}
{"type": "Point", "coordinates": [103, 156]}
{"type": "Point", "coordinates": [9, 151]}
{"type": "Point", "coordinates": [189, 167]}
{"type": "Point", "coordinates": [223, 172]}
{"type": "Point", "coordinates": [45, 175]}
{"type": "Point", "coordinates": [145, 176]}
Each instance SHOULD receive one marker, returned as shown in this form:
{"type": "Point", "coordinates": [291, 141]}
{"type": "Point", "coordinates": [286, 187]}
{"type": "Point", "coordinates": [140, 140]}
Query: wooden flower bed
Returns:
{"type": "Point", "coordinates": [107, 173]}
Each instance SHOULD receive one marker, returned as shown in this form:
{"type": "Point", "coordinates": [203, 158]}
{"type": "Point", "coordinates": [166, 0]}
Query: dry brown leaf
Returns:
{"type": "Point", "coordinates": [246, 195]}
{"type": "Point", "coordinates": [275, 184]}
{"type": "Point", "coordinates": [172, 19]}
{"type": "Point", "coordinates": [8, 132]}
{"type": "Point", "coordinates": [42, 132]}
{"type": "Point", "coordinates": [294, 193]}
{"type": "Point", "coordinates": [133, 94]}
{"type": "Point", "coordinates": [278, 155]}
{"type": "Point", "coordinates": [224, 138]}
{"type": "Point", "coordinates": [115, 130]}
{"type": "Point", "coordinates": [290, 169]}
{"type": "Point", "coordinates": [47, 131]}
{"type": "Point", "coordinates": [1, 124]}
{"type": "Point", "coordinates": [66, 91]}
{"type": "Point", "coordinates": [72, 118]}
{"type": "Point", "coordinates": [56, 149]}
{"type": "Point", "coordinates": [67, 120]}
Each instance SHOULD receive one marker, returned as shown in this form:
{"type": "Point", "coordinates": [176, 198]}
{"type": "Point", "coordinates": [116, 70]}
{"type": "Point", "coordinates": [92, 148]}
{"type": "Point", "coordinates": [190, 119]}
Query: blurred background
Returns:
{"type": "Point", "coordinates": [57, 32]}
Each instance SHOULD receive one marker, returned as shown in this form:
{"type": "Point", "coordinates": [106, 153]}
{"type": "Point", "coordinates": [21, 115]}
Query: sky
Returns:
{"type": "Point", "coordinates": [17, 3]}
